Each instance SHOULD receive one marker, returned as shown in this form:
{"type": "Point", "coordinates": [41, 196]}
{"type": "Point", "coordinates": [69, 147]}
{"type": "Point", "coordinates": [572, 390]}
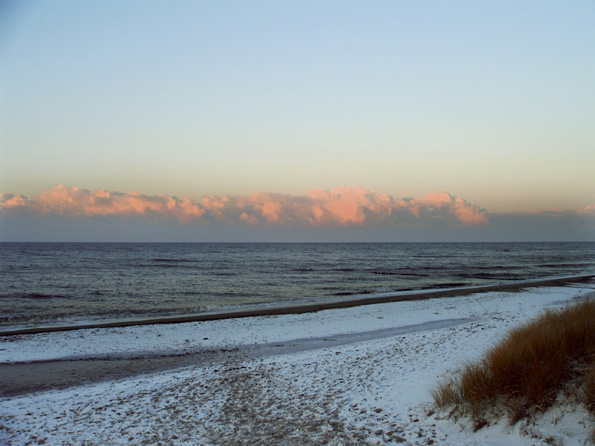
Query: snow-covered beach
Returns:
{"type": "Point", "coordinates": [360, 375]}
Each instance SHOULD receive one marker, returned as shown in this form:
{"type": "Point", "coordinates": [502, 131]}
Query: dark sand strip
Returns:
{"type": "Point", "coordinates": [28, 377]}
{"type": "Point", "coordinates": [306, 307]}
{"type": "Point", "coordinates": [23, 378]}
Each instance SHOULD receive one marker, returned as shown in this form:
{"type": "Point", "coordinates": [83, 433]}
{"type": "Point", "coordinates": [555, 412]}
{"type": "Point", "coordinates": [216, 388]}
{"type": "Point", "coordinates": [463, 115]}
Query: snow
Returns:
{"type": "Point", "coordinates": [326, 384]}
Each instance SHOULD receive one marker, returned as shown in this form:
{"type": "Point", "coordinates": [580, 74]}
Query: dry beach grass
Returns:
{"type": "Point", "coordinates": [550, 357]}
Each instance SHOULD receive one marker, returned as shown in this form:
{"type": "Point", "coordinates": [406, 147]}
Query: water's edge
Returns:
{"type": "Point", "coordinates": [304, 307]}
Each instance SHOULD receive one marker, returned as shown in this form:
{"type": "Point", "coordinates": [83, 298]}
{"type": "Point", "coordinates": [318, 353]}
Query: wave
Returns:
{"type": "Point", "coordinates": [402, 273]}
{"type": "Point", "coordinates": [445, 285]}
{"type": "Point", "coordinates": [41, 296]}
{"type": "Point", "coordinates": [353, 293]}
{"type": "Point", "coordinates": [166, 260]}
{"type": "Point", "coordinates": [495, 276]}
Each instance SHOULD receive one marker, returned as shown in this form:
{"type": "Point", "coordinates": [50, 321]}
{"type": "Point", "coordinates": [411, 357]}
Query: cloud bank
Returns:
{"type": "Point", "coordinates": [342, 214]}
{"type": "Point", "coordinates": [342, 206]}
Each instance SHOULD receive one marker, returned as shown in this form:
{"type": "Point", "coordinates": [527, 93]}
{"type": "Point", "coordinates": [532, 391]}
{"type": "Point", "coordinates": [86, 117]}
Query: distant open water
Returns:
{"type": "Point", "coordinates": [51, 283]}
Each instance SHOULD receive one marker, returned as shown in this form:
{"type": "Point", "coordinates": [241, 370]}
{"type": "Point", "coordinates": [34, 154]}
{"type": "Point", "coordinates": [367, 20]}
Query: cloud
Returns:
{"type": "Point", "coordinates": [72, 201]}
{"type": "Point", "coordinates": [10, 201]}
{"type": "Point", "coordinates": [340, 214]}
{"type": "Point", "coordinates": [443, 205]}
{"type": "Point", "coordinates": [341, 206]}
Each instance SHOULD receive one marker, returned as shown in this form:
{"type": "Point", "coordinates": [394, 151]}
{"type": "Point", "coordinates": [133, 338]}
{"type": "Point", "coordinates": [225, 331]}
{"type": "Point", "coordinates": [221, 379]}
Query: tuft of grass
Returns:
{"type": "Point", "coordinates": [589, 389]}
{"type": "Point", "coordinates": [527, 370]}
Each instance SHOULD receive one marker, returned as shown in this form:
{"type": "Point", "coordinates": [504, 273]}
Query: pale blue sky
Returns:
{"type": "Point", "coordinates": [490, 101]}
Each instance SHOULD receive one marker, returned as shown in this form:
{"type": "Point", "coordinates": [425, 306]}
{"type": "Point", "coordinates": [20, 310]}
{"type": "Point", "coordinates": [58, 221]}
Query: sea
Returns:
{"type": "Point", "coordinates": [69, 283]}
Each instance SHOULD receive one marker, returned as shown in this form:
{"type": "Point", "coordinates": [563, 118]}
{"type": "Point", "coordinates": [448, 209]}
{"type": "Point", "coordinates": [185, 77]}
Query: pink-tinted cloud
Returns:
{"type": "Point", "coordinates": [9, 201]}
{"type": "Point", "coordinates": [351, 205]}
{"type": "Point", "coordinates": [72, 201]}
{"type": "Point", "coordinates": [342, 206]}
{"type": "Point", "coordinates": [440, 203]}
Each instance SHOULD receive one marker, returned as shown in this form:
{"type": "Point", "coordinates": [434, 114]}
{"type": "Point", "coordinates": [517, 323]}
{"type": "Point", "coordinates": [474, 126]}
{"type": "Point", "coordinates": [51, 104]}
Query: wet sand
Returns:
{"type": "Point", "coordinates": [306, 307]}
{"type": "Point", "coordinates": [23, 378]}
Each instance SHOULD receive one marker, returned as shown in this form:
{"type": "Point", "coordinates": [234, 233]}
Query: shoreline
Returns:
{"type": "Point", "coordinates": [310, 307]}
{"type": "Point", "coordinates": [361, 375]}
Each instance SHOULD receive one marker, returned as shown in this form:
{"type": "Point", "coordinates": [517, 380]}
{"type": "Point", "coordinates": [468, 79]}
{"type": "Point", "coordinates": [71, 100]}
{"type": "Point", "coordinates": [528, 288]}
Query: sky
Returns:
{"type": "Point", "coordinates": [297, 121]}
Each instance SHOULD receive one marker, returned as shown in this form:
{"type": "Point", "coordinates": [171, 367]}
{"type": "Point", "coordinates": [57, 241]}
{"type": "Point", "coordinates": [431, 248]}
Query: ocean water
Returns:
{"type": "Point", "coordinates": [57, 283]}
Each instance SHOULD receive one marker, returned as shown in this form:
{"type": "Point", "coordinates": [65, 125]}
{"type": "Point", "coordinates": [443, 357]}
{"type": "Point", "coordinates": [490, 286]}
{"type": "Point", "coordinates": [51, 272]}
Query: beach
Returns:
{"type": "Point", "coordinates": [358, 375]}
